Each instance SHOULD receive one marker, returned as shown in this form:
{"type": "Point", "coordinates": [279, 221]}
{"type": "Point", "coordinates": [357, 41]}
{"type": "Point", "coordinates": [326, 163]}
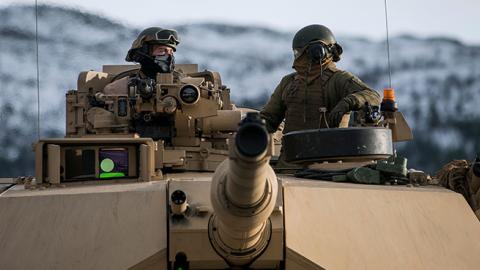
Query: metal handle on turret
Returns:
{"type": "Point", "coordinates": [243, 194]}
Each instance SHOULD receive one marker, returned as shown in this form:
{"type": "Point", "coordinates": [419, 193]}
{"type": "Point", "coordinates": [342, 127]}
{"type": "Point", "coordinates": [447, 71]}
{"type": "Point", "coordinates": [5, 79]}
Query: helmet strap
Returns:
{"type": "Point", "coordinates": [305, 89]}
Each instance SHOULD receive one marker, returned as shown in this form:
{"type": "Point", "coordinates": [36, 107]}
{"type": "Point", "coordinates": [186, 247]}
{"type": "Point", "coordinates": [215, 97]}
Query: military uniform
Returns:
{"type": "Point", "coordinates": [151, 65]}
{"type": "Point", "coordinates": [318, 94]}
{"type": "Point", "coordinates": [298, 100]}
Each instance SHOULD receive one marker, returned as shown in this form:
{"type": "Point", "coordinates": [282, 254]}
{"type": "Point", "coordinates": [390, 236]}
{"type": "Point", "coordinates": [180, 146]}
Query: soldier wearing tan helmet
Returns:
{"type": "Point", "coordinates": [317, 94]}
{"type": "Point", "coordinates": [154, 50]}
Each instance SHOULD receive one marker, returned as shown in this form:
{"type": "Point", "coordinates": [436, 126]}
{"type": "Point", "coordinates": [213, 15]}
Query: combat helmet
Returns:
{"type": "Point", "coordinates": [316, 33]}
{"type": "Point", "coordinates": [153, 35]}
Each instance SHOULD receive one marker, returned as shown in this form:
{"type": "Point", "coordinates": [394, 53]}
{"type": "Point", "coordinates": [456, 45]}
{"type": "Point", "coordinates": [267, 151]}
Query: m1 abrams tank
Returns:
{"type": "Point", "coordinates": [174, 176]}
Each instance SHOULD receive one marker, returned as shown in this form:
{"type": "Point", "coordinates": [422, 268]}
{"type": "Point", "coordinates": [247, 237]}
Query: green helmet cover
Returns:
{"type": "Point", "coordinates": [154, 35]}
{"type": "Point", "coordinates": [316, 32]}
{"type": "Point", "coordinates": [311, 33]}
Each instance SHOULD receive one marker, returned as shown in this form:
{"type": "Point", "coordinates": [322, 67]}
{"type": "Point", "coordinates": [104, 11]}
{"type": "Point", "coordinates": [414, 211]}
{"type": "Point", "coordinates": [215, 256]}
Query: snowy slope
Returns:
{"type": "Point", "coordinates": [437, 79]}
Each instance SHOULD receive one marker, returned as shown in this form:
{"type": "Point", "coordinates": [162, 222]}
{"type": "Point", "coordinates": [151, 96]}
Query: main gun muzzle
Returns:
{"type": "Point", "coordinates": [243, 194]}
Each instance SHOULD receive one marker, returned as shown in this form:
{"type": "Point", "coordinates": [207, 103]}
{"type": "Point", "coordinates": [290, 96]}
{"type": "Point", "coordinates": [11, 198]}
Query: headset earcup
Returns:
{"type": "Point", "coordinates": [129, 57]}
{"type": "Point", "coordinates": [337, 50]}
{"type": "Point", "coordinates": [138, 54]}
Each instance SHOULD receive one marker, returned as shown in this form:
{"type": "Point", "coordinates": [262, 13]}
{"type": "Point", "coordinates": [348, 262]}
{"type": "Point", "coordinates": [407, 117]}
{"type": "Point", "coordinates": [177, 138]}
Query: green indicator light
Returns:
{"type": "Point", "coordinates": [112, 175]}
{"type": "Point", "coordinates": [107, 165]}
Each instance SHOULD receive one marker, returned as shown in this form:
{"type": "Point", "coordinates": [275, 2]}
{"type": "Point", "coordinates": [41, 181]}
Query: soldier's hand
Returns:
{"type": "Point", "coordinates": [145, 87]}
{"type": "Point", "coordinates": [335, 116]}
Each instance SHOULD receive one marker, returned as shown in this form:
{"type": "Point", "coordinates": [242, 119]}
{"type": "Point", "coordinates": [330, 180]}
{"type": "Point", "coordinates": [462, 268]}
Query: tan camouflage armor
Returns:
{"type": "Point", "coordinates": [316, 95]}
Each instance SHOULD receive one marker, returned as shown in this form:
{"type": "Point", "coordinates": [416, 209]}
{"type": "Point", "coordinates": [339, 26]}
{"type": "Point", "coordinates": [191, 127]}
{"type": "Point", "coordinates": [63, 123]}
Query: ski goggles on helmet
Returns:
{"type": "Point", "coordinates": [167, 35]}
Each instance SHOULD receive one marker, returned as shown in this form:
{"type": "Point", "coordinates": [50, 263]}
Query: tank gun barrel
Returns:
{"type": "Point", "coordinates": [244, 191]}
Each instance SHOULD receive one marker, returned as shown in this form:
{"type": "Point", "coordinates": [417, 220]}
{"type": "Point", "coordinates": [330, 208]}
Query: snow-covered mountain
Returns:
{"type": "Point", "coordinates": [437, 80]}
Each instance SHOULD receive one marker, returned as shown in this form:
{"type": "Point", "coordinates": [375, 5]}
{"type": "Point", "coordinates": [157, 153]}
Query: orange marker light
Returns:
{"type": "Point", "coordinates": [388, 102]}
{"type": "Point", "coordinates": [389, 94]}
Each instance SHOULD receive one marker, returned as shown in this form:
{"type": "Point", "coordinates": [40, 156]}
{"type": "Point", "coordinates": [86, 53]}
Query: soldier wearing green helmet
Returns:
{"type": "Point", "coordinates": [317, 94]}
{"type": "Point", "coordinates": [144, 49]}
{"type": "Point", "coordinates": [154, 50]}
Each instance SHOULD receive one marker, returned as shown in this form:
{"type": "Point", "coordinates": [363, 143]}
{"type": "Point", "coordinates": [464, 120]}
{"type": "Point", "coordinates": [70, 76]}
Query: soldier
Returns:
{"type": "Point", "coordinates": [154, 49]}
{"type": "Point", "coordinates": [318, 94]}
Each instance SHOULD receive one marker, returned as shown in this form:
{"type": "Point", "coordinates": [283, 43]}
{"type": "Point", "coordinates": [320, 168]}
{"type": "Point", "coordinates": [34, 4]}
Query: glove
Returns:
{"type": "Point", "coordinates": [145, 87]}
{"type": "Point", "coordinates": [335, 116]}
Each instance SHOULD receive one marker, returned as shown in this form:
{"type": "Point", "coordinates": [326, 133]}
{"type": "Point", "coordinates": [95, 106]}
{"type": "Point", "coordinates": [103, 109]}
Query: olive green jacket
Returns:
{"type": "Point", "coordinates": [300, 103]}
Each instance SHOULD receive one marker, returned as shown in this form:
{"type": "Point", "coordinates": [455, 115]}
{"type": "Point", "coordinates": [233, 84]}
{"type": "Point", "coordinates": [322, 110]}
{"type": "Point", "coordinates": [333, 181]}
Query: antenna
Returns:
{"type": "Point", "coordinates": [388, 47]}
{"type": "Point", "coordinates": [38, 71]}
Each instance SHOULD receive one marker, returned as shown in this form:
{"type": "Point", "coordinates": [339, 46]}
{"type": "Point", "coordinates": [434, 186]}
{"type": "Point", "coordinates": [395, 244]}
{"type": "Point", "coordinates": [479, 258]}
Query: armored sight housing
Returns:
{"type": "Point", "coordinates": [188, 113]}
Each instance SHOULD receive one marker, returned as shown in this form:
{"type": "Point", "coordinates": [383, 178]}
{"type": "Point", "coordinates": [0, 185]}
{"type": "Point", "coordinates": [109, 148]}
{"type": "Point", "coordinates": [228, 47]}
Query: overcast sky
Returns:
{"type": "Point", "coordinates": [454, 18]}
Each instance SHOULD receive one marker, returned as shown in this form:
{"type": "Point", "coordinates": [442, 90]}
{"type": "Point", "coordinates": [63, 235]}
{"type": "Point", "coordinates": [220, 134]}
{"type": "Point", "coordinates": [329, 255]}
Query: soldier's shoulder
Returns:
{"type": "Point", "coordinates": [288, 78]}
{"type": "Point", "coordinates": [347, 79]}
{"type": "Point", "coordinates": [343, 75]}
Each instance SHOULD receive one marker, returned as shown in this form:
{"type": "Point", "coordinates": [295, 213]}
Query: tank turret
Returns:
{"type": "Point", "coordinates": [181, 120]}
{"type": "Point", "coordinates": [154, 178]}
{"type": "Point", "coordinates": [243, 195]}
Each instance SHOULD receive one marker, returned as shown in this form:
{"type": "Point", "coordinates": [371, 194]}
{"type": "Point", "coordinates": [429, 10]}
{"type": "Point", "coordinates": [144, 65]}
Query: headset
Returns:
{"type": "Point", "coordinates": [159, 64]}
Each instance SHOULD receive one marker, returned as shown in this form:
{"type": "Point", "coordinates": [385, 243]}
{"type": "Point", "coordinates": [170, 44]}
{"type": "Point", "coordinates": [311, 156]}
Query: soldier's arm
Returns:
{"type": "Point", "coordinates": [274, 110]}
{"type": "Point", "coordinates": [356, 92]}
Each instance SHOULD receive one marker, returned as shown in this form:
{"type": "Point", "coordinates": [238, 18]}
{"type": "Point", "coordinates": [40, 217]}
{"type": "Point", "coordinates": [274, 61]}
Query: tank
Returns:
{"type": "Point", "coordinates": [172, 175]}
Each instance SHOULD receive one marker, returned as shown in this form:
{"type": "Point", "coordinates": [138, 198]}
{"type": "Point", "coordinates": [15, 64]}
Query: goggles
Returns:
{"type": "Point", "coordinates": [297, 52]}
{"type": "Point", "coordinates": [167, 35]}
